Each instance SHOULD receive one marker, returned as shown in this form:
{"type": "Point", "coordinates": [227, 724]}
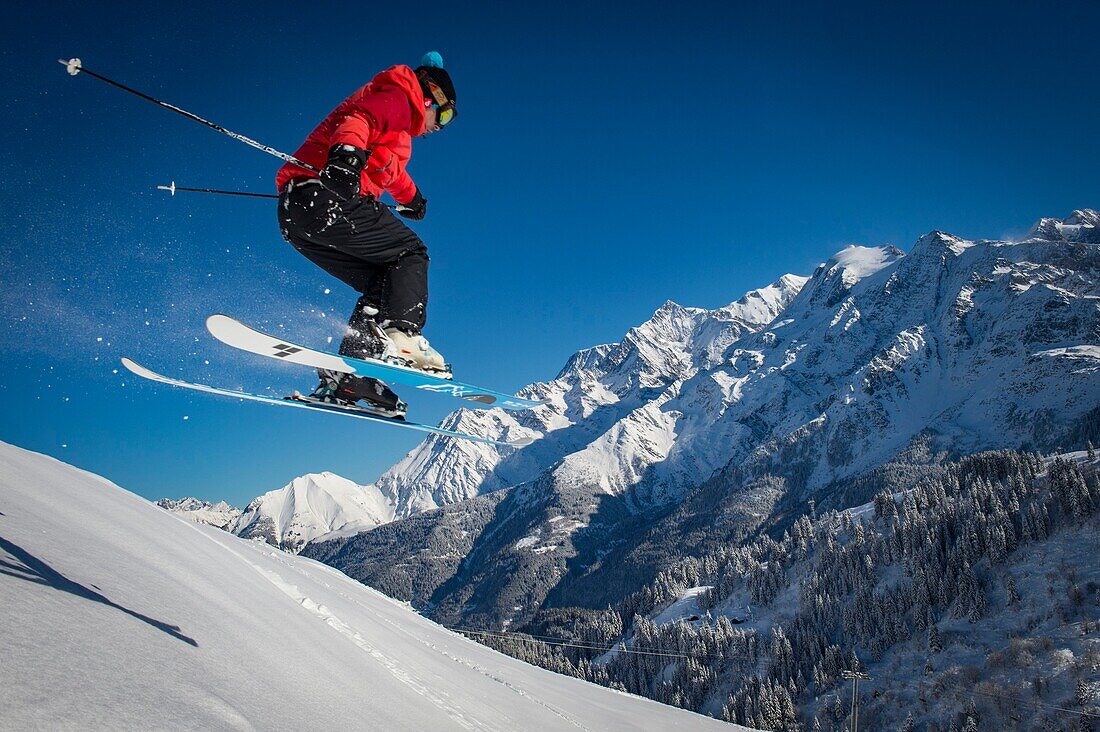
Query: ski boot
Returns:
{"type": "Point", "coordinates": [347, 390]}
{"type": "Point", "coordinates": [415, 351]}
{"type": "Point", "coordinates": [367, 338]}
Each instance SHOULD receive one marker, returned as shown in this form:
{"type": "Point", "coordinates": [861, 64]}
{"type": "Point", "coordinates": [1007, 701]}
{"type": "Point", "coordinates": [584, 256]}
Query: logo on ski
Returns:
{"type": "Point", "coordinates": [284, 349]}
{"type": "Point", "coordinates": [455, 390]}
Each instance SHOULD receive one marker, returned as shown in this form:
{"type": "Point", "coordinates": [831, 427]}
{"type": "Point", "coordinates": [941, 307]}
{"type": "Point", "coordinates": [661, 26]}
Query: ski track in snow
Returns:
{"type": "Point", "coordinates": [390, 664]}
{"type": "Point", "coordinates": [473, 666]}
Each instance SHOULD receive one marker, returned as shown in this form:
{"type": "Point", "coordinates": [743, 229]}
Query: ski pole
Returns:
{"type": "Point", "coordinates": [173, 188]}
{"type": "Point", "coordinates": [74, 67]}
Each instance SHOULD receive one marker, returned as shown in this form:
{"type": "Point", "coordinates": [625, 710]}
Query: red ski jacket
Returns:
{"type": "Point", "coordinates": [381, 118]}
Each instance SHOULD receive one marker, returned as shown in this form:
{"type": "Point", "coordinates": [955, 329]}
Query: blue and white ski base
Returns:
{"type": "Point", "coordinates": [316, 406]}
{"type": "Point", "coordinates": [233, 332]}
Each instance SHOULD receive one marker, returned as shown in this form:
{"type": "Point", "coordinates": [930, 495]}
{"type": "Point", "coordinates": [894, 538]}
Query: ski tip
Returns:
{"type": "Point", "coordinates": [213, 321]}
{"type": "Point", "coordinates": [521, 442]}
{"type": "Point", "coordinates": [138, 370]}
{"type": "Point", "coordinates": [224, 327]}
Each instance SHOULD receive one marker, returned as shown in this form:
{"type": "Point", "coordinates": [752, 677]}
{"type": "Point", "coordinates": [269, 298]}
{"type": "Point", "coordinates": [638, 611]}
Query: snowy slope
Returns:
{"type": "Point", "coordinates": [219, 515]}
{"type": "Point", "coordinates": [173, 625]}
{"type": "Point", "coordinates": [311, 506]}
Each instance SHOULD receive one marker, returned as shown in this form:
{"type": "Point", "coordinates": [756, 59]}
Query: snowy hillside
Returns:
{"type": "Point", "coordinates": [312, 506]}
{"type": "Point", "coordinates": [169, 624]}
{"type": "Point", "coordinates": [220, 515]}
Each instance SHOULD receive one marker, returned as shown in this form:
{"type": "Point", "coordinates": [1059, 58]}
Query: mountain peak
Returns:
{"type": "Point", "coordinates": [855, 262]}
{"type": "Point", "coordinates": [586, 359]}
{"type": "Point", "coordinates": [834, 278]}
{"type": "Point", "coordinates": [671, 316]}
{"type": "Point", "coordinates": [790, 282]}
{"type": "Point", "coordinates": [320, 480]}
{"type": "Point", "coordinates": [939, 244]}
{"type": "Point", "coordinates": [1084, 217]}
{"type": "Point", "coordinates": [1082, 226]}
{"type": "Point", "coordinates": [781, 291]}
{"type": "Point", "coordinates": [310, 506]}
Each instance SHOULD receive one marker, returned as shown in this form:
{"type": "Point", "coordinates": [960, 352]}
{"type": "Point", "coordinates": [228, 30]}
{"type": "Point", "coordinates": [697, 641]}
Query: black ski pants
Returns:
{"type": "Point", "coordinates": [363, 244]}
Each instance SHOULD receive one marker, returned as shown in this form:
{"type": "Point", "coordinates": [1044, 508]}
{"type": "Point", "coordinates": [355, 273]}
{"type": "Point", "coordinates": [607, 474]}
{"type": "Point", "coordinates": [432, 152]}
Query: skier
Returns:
{"type": "Point", "coordinates": [336, 220]}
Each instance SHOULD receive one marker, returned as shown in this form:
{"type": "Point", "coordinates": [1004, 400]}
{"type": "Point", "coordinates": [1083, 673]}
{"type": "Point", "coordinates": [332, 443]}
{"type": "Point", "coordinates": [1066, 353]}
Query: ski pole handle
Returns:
{"type": "Point", "coordinates": [74, 66]}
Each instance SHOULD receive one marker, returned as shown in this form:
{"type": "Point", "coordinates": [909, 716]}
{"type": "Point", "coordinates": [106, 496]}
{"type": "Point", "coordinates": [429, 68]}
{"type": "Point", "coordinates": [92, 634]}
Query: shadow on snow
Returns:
{"type": "Point", "coordinates": [28, 567]}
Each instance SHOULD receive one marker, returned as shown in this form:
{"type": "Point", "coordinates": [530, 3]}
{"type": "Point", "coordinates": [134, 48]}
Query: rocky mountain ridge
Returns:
{"type": "Point", "coordinates": [219, 515]}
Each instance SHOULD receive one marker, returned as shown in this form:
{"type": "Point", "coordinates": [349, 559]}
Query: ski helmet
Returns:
{"type": "Point", "coordinates": [437, 86]}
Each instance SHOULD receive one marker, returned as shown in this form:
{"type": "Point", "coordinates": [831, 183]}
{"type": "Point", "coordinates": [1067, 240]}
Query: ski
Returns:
{"type": "Point", "coordinates": [234, 333]}
{"type": "Point", "coordinates": [305, 403]}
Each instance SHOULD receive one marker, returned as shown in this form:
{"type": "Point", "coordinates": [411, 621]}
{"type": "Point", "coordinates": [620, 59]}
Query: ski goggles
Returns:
{"type": "Point", "coordinates": [445, 108]}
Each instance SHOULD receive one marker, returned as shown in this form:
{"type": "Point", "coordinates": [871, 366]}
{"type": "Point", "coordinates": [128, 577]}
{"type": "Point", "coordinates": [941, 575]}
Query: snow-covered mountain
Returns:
{"type": "Point", "coordinates": [608, 402]}
{"type": "Point", "coordinates": [170, 624]}
{"type": "Point", "coordinates": [219, 515]}
{"type": "Point", "coordinates": [965, 338]}
{"type": "Point", "coordinates": [702, 424]}
{"type": "Point", "coordinates": [312, 506]}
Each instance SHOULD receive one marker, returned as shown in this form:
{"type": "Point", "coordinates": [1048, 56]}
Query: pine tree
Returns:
{"type": "Point", "coordinates": [1082, 694]}
{"type": "Point", "coordinates": [787, 716]}
{"type": "Point", "coordinates": [971, 711]}
{"type": "Point", "coordinates": [935, 643]}
{"type": "Point", "coordinates": [839, 712]}
{"type": "Point", "coordinates": [1010, 590]}
{"type": "Point", "coordinates": [971, 600]}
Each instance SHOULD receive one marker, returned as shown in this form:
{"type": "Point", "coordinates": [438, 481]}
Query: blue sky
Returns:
{"type": "Point", "coordinates": [606, 158]}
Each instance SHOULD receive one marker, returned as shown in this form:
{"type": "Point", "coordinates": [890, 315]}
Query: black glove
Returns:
{"type": "Point", "coordinates": [341, 173]}
{"type": "Point", "coordinates": [414, 209]}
